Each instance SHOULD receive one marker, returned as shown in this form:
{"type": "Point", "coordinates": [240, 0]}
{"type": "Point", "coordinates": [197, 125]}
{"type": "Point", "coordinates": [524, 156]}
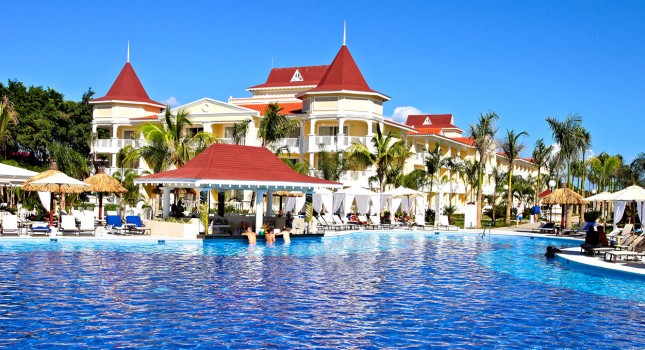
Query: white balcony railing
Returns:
{"type": "Point", "coordinates": [114, 145]}
{"type": "Point", "coordinates": [334, 143]}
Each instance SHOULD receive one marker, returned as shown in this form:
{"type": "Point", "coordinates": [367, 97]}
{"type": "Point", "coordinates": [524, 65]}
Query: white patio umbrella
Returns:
{"type": "Point", "coordinates": [630, 194]}
{"type": "Point", "coordinates": [57, 183]}
{"type": "Point", "coordinates": [601, 197]}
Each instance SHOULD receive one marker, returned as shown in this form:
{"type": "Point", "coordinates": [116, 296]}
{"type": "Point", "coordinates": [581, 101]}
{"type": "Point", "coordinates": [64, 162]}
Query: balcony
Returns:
{"type": "Point", "coordinates": [114, 145]}
{"type": "Point", "coordinates": [419, 158]}
{"type": "Point", "coordinates": [333, 143]}
{"type": "Point", "coordinates": [292, 144]}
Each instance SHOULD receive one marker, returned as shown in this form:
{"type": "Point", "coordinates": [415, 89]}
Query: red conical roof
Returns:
{"type": "Point", "coordinates": [128, 87]}
{"type": "Point", "coordinates": [343, 74]}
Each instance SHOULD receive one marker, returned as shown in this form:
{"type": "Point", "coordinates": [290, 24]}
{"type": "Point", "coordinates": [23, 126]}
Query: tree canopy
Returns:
{"type": "Point", "coordinates": [44, 118]}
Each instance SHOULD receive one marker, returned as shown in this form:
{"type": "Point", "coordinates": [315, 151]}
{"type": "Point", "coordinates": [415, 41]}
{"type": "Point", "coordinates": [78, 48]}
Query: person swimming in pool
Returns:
{"type": "Point", "coordinates": [250, 235]}
{"type": "Point", "coordinates": [550, 252]}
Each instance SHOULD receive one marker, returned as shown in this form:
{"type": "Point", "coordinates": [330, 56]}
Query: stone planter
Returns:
{"type": "Point", "coordinates": [188, 230]}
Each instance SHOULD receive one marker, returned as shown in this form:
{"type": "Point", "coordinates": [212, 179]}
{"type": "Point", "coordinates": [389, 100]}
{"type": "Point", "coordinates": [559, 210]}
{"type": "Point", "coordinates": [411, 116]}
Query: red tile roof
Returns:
{"type": "Point", "coordinates": [128, 87]}
{"type": "Point", "coordinates": [233, 163]}
{"type": "Point", "coordinates": [281, 77]}
{"type": "Point", "coordinates": [443, 121]}
{"type": "Point", "coordinates": [425, 131]}
{"type": "Point", "coordinates": [149, 117]}
{"type": "Point", "coordinates": [343, 74]}
{"type": "Point", "coordinates": [465, 140]}
{"type": "Point", "coordinates": [287, 108]}
{"type": "Point", "coordinates": [544, 194]}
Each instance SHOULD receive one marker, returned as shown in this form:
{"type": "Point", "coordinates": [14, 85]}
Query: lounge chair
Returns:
{"type": "Point", "coordinates": [548, 227]}
{"type": "Point", "coordinates": [420, 220]}
{"type": "Point", "coordinates": [626, 243]}
{"type": "Point", "coordinates": [135, 225]}
{"type": "Point", "coordinates": [68, 225]}
{"type": "Point", "coordinates": [345, 221]}
{"type": "Point", "coordinates": [331, 223]}
{"type": "Point", "coordinates": [10, 225]}
{"type": "Point", "coordinates": [445, 225]}
{"type": "Point", "coordinates": [376, 220]}
{"type": "Point", "coordinates": [319, 223]}
{"type": "Point", "coordinates": [369, 224]}
{"type": "Point", "coordinates": [114, 224]}
{"type": "Point", "coordinates": [625, 255]}
{"type": "Point", "coordinates": [87, 225]}
{"type": "Point", "coordinates": [580, 231]}
{"type": "Point", "coordinates": [40, 229]}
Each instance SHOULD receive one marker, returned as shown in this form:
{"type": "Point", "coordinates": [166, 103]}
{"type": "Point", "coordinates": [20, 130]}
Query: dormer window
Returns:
{"type": "Point", "coordinates": [297, 76]}
{"type": "Point", "coordinates": [427, 121]}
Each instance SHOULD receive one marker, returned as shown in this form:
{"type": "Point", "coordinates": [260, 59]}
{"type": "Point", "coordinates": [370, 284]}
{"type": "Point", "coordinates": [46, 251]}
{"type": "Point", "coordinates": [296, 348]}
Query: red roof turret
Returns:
{"type": "Point", "coordinates": [343, 75]}
{"type": "Point", "coordinates": [128, 87]}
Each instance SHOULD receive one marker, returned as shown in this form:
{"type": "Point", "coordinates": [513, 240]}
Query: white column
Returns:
{"type": "Point", "coordinates": [207, 127]}
{"type": "Point", "coordinates": [259, 218]}
{"type": "Point", "coordinates": [115, 128]}
{"type": "Point", "coordinates": [269, 208]}
{"type": "Point", "coordinates": [312, 136]}
{"type": "Point", "coordinates": [166, 202]}
{"type": "Point", "coordinates": [301, 142]}
{"type": "Point", "coordinates": [340, 138]}
{"type": "Point", "coordinates": [370, 133]}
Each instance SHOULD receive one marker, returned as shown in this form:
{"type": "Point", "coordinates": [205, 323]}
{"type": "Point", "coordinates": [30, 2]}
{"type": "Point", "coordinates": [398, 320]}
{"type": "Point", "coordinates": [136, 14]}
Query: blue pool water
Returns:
{"type": "Point", "coordinates": [376, 290]}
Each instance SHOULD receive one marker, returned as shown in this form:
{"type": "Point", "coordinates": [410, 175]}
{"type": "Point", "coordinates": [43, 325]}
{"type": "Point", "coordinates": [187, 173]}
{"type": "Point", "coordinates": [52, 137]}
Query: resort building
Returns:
{"type": "Point", "coordinates": [336, 107]}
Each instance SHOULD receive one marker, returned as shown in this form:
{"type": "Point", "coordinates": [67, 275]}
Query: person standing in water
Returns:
{"type": "Point", "coordinates": [250, 235]}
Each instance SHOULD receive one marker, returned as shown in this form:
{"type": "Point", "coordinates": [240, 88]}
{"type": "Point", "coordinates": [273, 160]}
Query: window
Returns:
{"type": "Point", "coordinates": [332, 130]}
{"type": "Point", "coordinates": [129, 134]}
{"type": "Point", "coordinates": [297, 76]}
{"type": "Point", "coordinates": [193, 131]}
{"type": "Point", "coordinates": [228, 132]}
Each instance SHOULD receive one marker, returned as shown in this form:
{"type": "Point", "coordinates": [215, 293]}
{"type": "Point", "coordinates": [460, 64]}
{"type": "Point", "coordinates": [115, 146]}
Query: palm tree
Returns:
{"type": "Point", "coordinates": [483, 134]}
{"type": "Point", "coordinates": [169, 144]}
{"type": "Point", "coordinates": [605, 167]}
{"type": "Point", "coordinates": [638, 168]}
{"type": "Point", "coordinates": [454, 166]}
{"type": "Point", "coordinates": [275, 126]}
{"type": "Point", "coordinates": [333, 165]}
{"type": "Point", "coordinates": [567, 134]}
{"type": "Point", "coordinates": [8, 115]}
{"type": "Point", "coordinates": [69, 161]}
{"type": "Point", "coordinates": [387, 152]}
{"type": "Point", "coordinates": [126, 158]}
{"type": "Point", "coordinates": [511, 146]}
{"type": "Point", "coordinates": [239, 131]}
{"type": "Point", "coordinates": [540, 157]}
{"type": "Point", "coordinates": [499, 176]}
{"type": "Point", "coordinates": [433, 164]}
{"type": "Point", "coordinates": [585, 143]}
{"type": "Point", "coordinates": [469, 172]}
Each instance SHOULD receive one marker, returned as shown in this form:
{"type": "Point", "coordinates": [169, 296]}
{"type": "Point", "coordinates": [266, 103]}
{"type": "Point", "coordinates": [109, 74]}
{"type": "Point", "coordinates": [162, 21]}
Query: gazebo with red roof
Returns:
{"type": "Point", "coordinates": [235, 167]}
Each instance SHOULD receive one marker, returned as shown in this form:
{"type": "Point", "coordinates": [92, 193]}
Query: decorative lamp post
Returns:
{"type": "Point", "coordinates": [551, 186]}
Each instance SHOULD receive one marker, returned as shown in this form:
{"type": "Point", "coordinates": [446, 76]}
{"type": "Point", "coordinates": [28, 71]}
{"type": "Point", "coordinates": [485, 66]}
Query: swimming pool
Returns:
{"type": "Point", "coordinates": [371, 290]}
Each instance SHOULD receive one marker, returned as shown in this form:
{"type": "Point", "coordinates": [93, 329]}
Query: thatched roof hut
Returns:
{"type": "Point", "coordinates": [563, 196]}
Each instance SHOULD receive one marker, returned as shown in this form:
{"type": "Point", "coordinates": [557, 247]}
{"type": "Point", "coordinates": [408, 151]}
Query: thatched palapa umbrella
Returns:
{"type": "Point", "coordinates": [563, 196]}
{"type": "Point", "coordinates": [54, 182]}
{"type": "Point", "coordinates": [104, 183]}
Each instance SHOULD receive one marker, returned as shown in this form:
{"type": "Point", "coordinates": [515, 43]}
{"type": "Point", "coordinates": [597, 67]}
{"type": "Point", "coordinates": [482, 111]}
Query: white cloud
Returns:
{"type": "Point", "coordinates": [170, 101]}
{"type": "Point", "coordinates": [401, 113]}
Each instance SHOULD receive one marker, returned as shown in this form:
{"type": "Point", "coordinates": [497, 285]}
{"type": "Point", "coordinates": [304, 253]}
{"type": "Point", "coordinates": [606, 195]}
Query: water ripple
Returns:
{"type": "Point", "coordinates": [369, 291]}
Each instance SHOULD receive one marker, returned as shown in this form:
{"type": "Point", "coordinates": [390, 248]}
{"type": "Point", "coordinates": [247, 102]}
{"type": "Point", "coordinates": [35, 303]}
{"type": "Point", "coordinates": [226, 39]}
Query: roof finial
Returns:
{"type": "Point", "coordinates": [344, 32]}
{"type": "Point", "coordinates": [128, 60]}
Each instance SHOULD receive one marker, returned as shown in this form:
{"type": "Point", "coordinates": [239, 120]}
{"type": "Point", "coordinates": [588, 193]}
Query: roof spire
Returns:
{"type": "Point", "coordinates": [344, 32]}
{"type": "Point", "coordinates": [128, 59]}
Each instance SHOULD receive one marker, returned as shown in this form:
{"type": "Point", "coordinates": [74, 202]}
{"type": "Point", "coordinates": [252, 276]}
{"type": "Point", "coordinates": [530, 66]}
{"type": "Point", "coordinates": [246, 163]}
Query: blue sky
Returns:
{"type": "Point", "coordinates": [525, 60]}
